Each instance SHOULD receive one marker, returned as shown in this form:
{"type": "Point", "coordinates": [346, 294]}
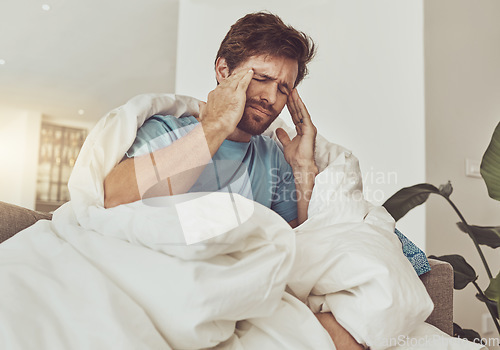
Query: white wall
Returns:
{"type": "Point", "coordinates": [19, 142]}
{"type": "Point", "coordinates": [87, 124]}
{"type": "Point", "coordinates": [365, 88]}
{"type": "Point", "coordinates": [462, 55]}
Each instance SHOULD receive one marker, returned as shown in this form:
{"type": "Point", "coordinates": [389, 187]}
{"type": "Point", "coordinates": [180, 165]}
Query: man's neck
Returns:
{"type": "Point", "coordinates": [239, 135]}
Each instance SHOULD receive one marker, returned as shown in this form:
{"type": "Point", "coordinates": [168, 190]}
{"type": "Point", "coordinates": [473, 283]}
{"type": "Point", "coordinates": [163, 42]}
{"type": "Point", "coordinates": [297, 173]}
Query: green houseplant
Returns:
{"type": "Point", "coordinates": [409, 197]}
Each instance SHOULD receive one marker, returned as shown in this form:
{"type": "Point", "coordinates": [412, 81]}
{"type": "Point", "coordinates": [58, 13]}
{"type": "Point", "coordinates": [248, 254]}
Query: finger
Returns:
{"type": "Point", "coordinates": [201, 107]}
{"type": "Point", "coordinates": [234, 79]}
{"type": "Point", "coordinates": [295, 104]}
{"type": "Point", "coordinates": [283, 137]}
{"type": "Point", "coordinates": [303, 110]}
{"type": "Point", "coordinates": [292, 108]}
{"type": "Point", "coordinates": [298, 106]}
{"type": "Point", "coordinates": [245, 81]}
{"type": "Point", "coordinates": [230, 79]}
{"type": "Point", "coordinates": [298, 129]}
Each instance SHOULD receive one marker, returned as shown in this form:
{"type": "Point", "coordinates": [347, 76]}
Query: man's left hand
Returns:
{"type": "Point", "coordinates": [299, 152]}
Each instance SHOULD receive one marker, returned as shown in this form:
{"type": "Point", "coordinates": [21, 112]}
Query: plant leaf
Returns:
{"type": "Point", "coordinates": [490, 165]}
{"type": "Point", "coordinates": [493, 291]}
{"type": "Point", "coordinates": [446, 190]}
{"type": "Point", "coordinates": [486, 235]}
{"type": "Point", "coordinates": [463, 273]}
{"type": "Point", "coordinates": [408, 198]}
{"type": "Point", "coordinates": [468, 334]}
{"type": "Point", "coordinates": [492, 305]}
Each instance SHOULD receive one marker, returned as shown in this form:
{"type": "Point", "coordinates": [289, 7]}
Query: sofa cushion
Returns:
{"type": "Point", "coordinates": [439, 285]}
{"type": "Point", "coordinates": [14, 219]}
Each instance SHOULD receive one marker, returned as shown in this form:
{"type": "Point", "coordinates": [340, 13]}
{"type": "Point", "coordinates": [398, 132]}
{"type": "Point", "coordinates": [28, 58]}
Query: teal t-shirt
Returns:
{"type": "Point", "coordinates": [256, 169]}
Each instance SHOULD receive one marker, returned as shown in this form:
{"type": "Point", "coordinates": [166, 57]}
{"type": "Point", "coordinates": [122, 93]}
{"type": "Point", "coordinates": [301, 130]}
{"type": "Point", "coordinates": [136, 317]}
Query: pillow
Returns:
{"type": "Point", "coordinates": [414, 254]}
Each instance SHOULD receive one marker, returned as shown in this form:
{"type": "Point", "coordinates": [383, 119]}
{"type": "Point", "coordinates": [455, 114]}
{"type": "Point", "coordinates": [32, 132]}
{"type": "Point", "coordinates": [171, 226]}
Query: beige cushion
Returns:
{"type": "Point", "coordinates": [14, 219]}
{"type": "Point", "coordinates": [439, 284]}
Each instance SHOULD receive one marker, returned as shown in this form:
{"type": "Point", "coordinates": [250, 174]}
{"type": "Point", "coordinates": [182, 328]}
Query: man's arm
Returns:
{"type": "Point", "coordinates": [167, 171]}
{"type": "Point", "coordinates": [304, 183]}
{"type": "Point", "coordinates": [175, 168]}
{"type": "Point", "coordinates": [342, 339]}
{"type": "Point", "coordinates": [299, 153]}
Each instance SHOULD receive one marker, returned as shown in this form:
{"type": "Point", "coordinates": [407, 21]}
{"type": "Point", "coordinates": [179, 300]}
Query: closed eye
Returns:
{"type": "Point", "coordinates": [284, 91]}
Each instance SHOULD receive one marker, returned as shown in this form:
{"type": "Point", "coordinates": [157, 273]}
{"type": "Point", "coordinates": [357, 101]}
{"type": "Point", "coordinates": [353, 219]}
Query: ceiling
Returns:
{"type": "Point", "coordinates": [85, 55]}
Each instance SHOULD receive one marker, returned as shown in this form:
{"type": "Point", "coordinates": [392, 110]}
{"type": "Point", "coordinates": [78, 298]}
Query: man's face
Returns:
{"type": "Point", "coordinates": [267, 94]}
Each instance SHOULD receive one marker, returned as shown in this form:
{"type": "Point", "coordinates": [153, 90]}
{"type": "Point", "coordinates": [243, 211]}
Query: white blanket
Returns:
{"type": "Point", "coordinates": [124, 278]}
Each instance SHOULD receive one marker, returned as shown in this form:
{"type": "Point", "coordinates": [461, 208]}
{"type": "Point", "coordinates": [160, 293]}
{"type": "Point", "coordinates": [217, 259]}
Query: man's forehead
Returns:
{"type": "Point", "coordinates": [264, 73]}
{"type": "Point", "coordinates": [276, 68]}
{"type": "Point", "coordinates": [270, 76]}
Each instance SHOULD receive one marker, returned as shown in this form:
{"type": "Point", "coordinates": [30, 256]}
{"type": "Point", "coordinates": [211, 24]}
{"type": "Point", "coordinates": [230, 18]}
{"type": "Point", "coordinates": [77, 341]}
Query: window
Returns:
{"type": "Point", "coordinates": [59, 147]}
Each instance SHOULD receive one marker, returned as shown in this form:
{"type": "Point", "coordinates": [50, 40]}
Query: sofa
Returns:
{"type": "Point", "coordinates": [438, 282]}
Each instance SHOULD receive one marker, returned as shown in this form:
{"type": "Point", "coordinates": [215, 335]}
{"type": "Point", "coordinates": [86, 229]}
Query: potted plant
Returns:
{"type": "Point", "coordinates": [409, 197]}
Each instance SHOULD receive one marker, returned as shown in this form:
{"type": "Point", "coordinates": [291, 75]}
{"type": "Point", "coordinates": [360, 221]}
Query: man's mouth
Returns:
{"type": "Point", "coordinates": [261, 111]}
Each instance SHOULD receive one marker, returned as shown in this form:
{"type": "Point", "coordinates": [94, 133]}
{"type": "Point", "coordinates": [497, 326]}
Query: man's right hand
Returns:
{"type": "Point", "coordinates": [226, 103]}
{"type": "Point", "coordinates": [130, 179]}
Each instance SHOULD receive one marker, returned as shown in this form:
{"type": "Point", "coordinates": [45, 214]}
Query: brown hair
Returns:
{"type": "Point", "coordinates": [265, 33]}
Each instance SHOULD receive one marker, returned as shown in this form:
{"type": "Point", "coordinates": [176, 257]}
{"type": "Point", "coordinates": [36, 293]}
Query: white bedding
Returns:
{"type": "Point", "coordinates": [124, 278]}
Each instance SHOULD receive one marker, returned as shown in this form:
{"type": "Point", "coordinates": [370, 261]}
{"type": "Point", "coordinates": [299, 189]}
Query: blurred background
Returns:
{"type": "Point", "coordinates": [411, 87]}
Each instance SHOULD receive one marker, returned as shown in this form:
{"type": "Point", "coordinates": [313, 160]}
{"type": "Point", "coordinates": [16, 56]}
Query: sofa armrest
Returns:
{"type": "Point", "coordinates": [14, 219]}
{"type": "Point", "coordinates": [439, 285]}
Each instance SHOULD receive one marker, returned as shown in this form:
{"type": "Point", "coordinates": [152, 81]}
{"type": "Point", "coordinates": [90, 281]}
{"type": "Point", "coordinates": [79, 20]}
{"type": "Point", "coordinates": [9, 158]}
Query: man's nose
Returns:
{"type": "Point", "coordinates": [269, 93]}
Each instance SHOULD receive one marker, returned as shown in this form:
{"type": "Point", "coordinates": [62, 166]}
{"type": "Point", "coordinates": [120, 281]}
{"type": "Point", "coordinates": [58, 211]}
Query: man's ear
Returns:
{"type": "Point", "coordinates": [221, 69]}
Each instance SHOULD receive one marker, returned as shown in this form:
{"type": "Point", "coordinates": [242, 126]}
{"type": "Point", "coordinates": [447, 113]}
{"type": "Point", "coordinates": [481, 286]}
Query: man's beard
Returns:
{"type": "Point", "coordinates": [255, 124]}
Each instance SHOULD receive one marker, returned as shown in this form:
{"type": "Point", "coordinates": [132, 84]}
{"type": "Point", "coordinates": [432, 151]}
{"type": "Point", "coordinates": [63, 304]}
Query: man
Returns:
{"type": "Point", "coordinates": [259, 64]}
